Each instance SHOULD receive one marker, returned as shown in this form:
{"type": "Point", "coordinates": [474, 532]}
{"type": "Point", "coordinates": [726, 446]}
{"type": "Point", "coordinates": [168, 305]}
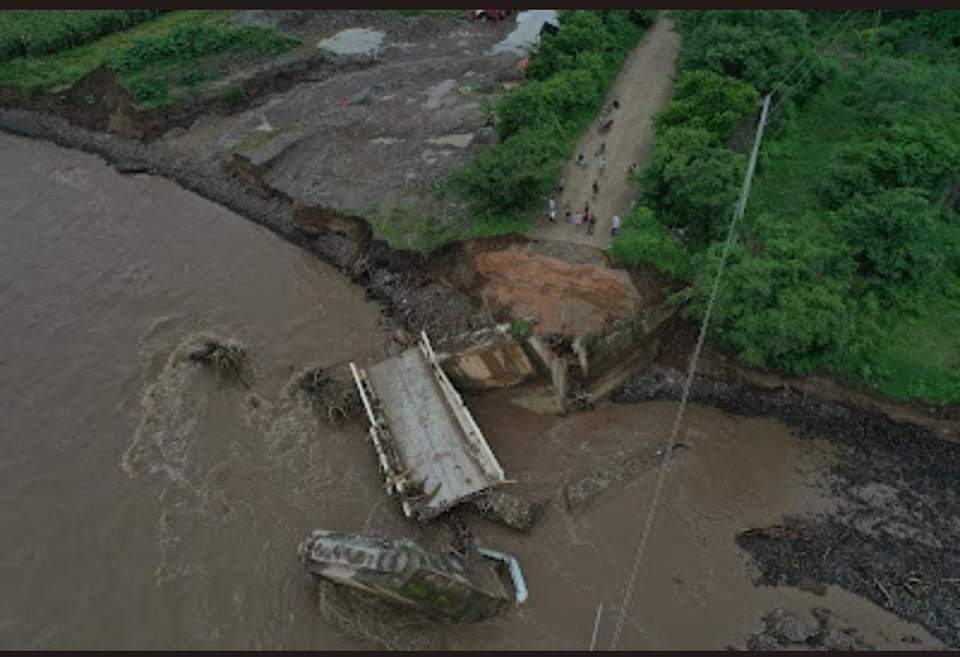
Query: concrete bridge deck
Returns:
{"type": "Point", "coordinates": [430, 449]}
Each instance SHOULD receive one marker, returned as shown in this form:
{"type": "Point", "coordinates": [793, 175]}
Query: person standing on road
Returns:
{"type": "Point", "coordinates": [591, 224]}
{"type": "Point", "coordinates": [552, 210]}
{"type": "Point", "coordinates": [615, 225]}
{"type": "Point", "coordinates": [603, 164]}
{"type": "Point", "coordinates": [596, 188]}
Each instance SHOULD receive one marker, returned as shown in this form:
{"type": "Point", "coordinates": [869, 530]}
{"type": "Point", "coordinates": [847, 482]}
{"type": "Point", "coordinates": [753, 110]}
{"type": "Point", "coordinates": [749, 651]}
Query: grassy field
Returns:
{"type": "Point", "coordinates": [159, 61]}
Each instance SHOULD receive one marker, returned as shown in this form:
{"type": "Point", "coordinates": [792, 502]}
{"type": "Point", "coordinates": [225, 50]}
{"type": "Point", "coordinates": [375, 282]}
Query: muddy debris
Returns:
{"type": "Point", "coordinates": [906, 577]}
{"type": "Point", "coordinates": [509, 510]}
{"type": "Point", "coordinates": [229, 359]}
{"type": "Point", "coordinates": [819, 629]}
{"type": "Point", "coordinates": [579, 493]}
{"type": "Point", "coordinates": [333, 394]}
{"type": "Point", "coordinates": [894, 534]}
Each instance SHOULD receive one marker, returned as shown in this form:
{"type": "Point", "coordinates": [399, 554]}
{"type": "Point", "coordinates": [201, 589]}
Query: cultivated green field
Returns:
{"type": "Point", "coordinates": [159, 60]}
{"type": "Point", "coordinates": [35, 33]}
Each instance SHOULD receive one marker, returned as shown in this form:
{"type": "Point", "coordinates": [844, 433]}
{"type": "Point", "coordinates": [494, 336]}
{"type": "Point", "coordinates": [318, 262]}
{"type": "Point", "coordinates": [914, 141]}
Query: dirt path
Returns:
{"type": "Point", "coordinates": [643, 88]}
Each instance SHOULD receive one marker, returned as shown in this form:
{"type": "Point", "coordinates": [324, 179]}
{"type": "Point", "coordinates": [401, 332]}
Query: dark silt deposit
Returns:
{"type": "Point", "coordinates": [817, 630]}
{"type": "Point", "coordinates": [894, 534]}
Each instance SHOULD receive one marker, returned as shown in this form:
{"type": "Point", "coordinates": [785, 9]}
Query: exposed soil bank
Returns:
{"type": "Point", "coordinates": [418, 296]}
{"type": "Point", "coordinates": [434, 293]}
{"type": "Point", "coordinates": [893, 537]}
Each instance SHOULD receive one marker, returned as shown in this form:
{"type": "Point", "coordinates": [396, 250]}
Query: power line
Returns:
{"type": "Point", "coordinates": [810, 68]}
{"type": "Point", "coordinates": [783, 81]}
{"type": "Point", "coordinates": [730, 239]}
{"type": "Point", "coordinates": [665, 466]}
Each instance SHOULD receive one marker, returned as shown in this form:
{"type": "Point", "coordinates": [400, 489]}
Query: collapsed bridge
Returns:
{"type": "Point", "coordinates": [431, 451]}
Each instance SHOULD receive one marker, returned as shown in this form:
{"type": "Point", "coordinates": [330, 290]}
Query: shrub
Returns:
{"type": "Point", "coordinates": [520, 329]}
{"type": "Point", "coordinates": [895, 236]}
{"type": "Point", "coordinates": [787, 305]}
{"type": "Point", "coordinates": [704, 99]}
{"type": "Point", "coordinates": [515, 174]}
{"type": "Point", "coordinates": [757, 46]}
{"type": "Point", "coordinates": [644, 240]}
{"type": "Point", "coordinates": [692, 182]}
{"type": "Point", "coordinates": [552, 101]}
{"type": "Point", "coordinates": [913, 155]}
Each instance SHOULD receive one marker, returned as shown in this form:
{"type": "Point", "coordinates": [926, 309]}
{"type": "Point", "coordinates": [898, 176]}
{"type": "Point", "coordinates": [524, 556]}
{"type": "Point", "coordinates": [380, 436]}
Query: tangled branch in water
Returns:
{"type": "Point", "coordinates": [335, 398]}
{"type": "Point", "coordinates": [228, 358]}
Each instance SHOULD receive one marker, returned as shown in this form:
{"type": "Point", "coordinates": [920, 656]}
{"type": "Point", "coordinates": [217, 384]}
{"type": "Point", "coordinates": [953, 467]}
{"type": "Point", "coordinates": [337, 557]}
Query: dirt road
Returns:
{"type": "Point", "coordinates": [643, 88]}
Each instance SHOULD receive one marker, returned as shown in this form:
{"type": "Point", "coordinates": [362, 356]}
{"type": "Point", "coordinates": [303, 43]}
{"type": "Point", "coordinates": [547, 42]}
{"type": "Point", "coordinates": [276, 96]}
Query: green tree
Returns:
{"type": "Point", "coordinates": [513, 175]}
{"type": "Point", "coordinates": [564, 97]}
{"type": "Point", "coordinates": [757, 46]}
{"type": "Point", "coordinates": [704, 99]}
{"type": "Point", "coordinates": [783, 304]}
{"type": "Point", "coordinates": [895, 236]}
{"type": "Point", "coordinates": [692, 181]}
{"type": "Point", "coordinates": [580, 32]}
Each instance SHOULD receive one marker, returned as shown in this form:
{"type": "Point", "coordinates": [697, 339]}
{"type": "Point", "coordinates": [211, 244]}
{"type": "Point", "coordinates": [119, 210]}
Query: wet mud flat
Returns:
{"type": "Point", "coordinates": [893, 535]}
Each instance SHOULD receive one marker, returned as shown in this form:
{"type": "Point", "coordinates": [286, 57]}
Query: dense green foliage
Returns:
{"type": "Point", "coordinates": [34, 33]}
{"type": "Point", "coordinates": [159, 61]}
{"type": "Point", "coordinates": [848, 259]}
{"type": "Point", "coordinates": [704, 99]}
{"type": "Point", "coordinates": [756, 46]}
{"type": "Point", "coordinates": [644, 240]}
{"type": "Point", "coordinates": [692, 182]}
{"type": "Point", "coordinates": [539, 122]}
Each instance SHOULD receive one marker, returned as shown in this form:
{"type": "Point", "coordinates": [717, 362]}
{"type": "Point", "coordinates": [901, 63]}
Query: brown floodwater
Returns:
{"type": "Point", "coordinates": [146, 504]}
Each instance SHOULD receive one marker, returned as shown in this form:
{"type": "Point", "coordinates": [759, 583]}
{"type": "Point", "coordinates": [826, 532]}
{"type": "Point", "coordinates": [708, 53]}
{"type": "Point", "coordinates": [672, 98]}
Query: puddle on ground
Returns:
{"type": "Point", "coordinates": [355, 41]}
{"type": "Point", "coordinates": [527, 32]}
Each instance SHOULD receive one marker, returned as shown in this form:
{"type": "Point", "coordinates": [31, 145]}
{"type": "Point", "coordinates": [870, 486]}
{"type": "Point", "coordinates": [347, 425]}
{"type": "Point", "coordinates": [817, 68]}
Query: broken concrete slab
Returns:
{"type": "Point", "coordinates": [430, 449]}
{"type": "Point", "coordinates": [499, 362]}
{"type": "Point", "coordinates": [462, 588]}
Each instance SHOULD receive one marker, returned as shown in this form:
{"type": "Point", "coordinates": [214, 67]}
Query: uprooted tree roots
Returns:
{"type": "Point", "coordinates": [229, 359]}
{"type": "Point", "coordinates": [334, 397]}
{"type": "Point", "coordinates": [364, 616]}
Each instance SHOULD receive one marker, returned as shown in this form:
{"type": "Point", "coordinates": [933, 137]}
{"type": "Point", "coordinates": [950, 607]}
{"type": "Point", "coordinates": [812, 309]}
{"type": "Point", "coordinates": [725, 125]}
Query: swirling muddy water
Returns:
{"type": "Point", "coordinates": [145, 503]}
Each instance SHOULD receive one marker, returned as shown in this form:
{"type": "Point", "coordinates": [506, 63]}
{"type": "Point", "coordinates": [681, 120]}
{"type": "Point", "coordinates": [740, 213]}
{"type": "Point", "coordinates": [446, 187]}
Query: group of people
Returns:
{"type": "Point", "coordinates": [586, 217]}
{"type": "Point", "coordinates": [580, 218]}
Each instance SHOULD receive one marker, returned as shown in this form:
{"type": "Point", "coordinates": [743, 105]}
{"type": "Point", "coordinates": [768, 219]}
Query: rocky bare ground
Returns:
{"type": "Point", "coordinates": [892, 539]}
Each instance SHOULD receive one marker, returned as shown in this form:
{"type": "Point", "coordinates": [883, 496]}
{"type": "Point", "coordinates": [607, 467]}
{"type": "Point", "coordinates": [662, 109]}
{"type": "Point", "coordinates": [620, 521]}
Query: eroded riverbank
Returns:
{"type": "Point", "coordinates": [218, 481]}
{"type": "Point", "coordinates": [171, 504]}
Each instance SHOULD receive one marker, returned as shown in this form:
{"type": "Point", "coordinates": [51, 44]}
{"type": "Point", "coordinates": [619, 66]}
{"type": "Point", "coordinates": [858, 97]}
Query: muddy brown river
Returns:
{"type": "Point", "coordinates": [146, 504]}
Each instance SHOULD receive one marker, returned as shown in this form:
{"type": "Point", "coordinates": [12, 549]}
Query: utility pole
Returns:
{"type": "Point", "coordinates": [691, 371]}
{"type": "Point", "coordinates": [752, 165]}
